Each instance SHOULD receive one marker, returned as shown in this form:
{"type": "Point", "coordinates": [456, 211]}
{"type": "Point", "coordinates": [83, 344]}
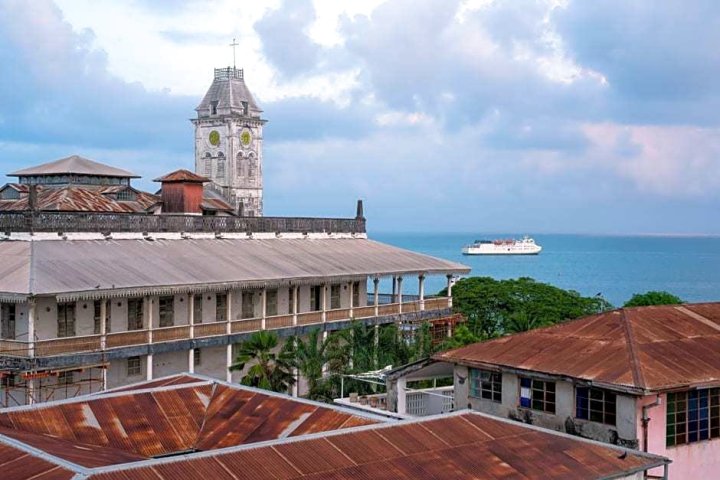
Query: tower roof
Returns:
{"type": "Point", "coordinates": [229, 91]}
{"type": "Point", "coordinates": [74, 165]}
{"type": "Point", "coordinates": [182, 176]}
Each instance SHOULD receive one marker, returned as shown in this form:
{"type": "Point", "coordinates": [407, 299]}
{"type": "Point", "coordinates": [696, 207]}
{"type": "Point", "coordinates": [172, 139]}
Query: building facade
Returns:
{"type": "Point", "coordinates": [229, 141]}
{"type": "Point", "coordinates": [646, 378]}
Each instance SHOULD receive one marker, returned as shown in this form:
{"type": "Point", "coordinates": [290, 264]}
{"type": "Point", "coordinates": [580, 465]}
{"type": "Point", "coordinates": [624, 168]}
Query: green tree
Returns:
{"type": "Point", "coordinates": [498, 307]}
{"type": "Point", "coordinates": [653, 298]}
{"type": "Point", "coordinates": [313, 354]}
{"type": "Point", "coordinates": [268, 370]}
{"type": "Point", "coordinates": [462, 336]}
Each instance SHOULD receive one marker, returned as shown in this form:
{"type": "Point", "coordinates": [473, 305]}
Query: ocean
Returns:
{"type": "Point", "coordinates": [615, 266]}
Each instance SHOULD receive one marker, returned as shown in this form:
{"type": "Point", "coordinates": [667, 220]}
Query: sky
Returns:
{"type": "Point", "coordinates": [517, 116]}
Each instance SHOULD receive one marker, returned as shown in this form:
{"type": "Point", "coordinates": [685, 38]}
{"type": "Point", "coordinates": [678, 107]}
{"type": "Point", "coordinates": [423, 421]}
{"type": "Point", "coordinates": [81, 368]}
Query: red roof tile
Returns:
{"type": "Point", "coordinates": [643, 348]}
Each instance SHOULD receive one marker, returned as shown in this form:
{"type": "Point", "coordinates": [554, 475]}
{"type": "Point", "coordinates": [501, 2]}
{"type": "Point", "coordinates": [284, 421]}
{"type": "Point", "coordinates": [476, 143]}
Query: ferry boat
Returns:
{"type": "Point", "coordinates": [526, 246]}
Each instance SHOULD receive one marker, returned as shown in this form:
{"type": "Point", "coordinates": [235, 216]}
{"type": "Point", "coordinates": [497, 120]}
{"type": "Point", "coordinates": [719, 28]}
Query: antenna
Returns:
{"type": "Point", "coordinates": [233, 45]}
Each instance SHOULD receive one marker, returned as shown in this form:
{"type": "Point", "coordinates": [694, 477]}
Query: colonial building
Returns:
{"type": "Point", "coordinates": [229, 141]}
{"type": "Point", "coordinates": [190, 427]}
{"type": "Point", "coordinates": [646, 378]}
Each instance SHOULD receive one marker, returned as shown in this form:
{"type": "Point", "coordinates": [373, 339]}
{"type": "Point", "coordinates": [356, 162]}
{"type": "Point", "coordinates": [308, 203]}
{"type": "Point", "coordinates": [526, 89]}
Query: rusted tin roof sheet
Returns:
{"type": "Point", "coordinates": [82, 198]}
{"type": "Point", "coordinates": [96, 266]}
{"type": "Point", "coordinates": [465, 446]}
{"type": "Point", "coordinates": [182, 175]}
{"type": "Point", "coordinates": [16, 464]}
{"type": "Point", "coordinates": [163, 418]}
{"type": "Point", "coordinates": [644, 348]}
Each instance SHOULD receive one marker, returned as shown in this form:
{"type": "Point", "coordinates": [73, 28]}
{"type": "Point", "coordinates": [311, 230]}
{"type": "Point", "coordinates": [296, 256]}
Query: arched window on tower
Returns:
{"type": "Point", "coordinates": [252, 166]}
{"type": "Point", "coordinates": [207, 164]}
{"type": "Point", "coordinates": [239, 165]}
{"type": "Point", "coordinates": [221, 165]}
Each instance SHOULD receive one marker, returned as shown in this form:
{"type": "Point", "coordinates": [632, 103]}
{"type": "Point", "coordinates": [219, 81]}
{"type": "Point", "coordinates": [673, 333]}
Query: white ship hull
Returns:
{"type": "Point", "coordinates": [527, 246]}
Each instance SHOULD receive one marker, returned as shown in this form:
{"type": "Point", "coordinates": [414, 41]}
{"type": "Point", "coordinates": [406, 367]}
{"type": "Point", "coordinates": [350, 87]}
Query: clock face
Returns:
{"type": "Point", "coordinates": [245, 137]}
{"type": "Point", "coordinates": [214, 138]}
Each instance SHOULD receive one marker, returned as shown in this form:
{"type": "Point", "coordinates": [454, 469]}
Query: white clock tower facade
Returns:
{"type": "Point", "coordinates": [228, 142]}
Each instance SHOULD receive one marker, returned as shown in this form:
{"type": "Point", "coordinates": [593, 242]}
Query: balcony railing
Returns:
{"type": "Point", "coordinates": [93, 343]}
{"type": "Point", "coordinates": [11, 222]}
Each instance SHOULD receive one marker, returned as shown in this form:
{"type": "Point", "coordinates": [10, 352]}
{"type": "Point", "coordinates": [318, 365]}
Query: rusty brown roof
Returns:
{"type": "Point", "coordinates": [176, 414]}
{"type": "Point", "coordinates": [456, 446]}
{"type": "Point", "coordinates": [20, 464]}
{"type": "Point", "coordinates": [645, 349]}
{"type": "Point", "coordinates": [182, 175]}
{"type": "Point", "coordinates": [81, 198]}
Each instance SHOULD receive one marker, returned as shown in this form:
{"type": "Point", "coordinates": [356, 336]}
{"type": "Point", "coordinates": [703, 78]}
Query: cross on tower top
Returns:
{"type": "Point", "coordinates": [233, 45]}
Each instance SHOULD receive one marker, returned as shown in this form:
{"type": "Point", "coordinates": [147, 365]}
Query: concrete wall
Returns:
{"type": "Point", "coordinates": [624, 432]}
{"type": "Point", "coordinates": [690, 461]}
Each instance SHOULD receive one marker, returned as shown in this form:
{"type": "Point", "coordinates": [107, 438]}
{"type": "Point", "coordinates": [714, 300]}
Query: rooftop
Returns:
{"type": "Point", "coordinates": [641, 350]}
{"type": "Point", "coordinates": [74, 269]}
{"type": "Point", "coordinates": [182, 175]}
{"type": "Point", "coordinates": [74, 165]}
{"type": "Point", "coordinates": [228, 92]}
{"type": "Point", "coordinates": [189, 427]}
{"type": "Point", "coordinates": [79, 198]}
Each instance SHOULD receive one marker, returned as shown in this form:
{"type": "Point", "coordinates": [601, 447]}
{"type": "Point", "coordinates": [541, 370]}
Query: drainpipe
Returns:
{"type": "Point", "coordinates": [645, 420]}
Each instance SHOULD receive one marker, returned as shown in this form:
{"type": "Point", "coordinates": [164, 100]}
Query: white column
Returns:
{"type": "Point", "coordinates": [149, 360]}
{"type": "Point", "coordinates": [103, 339]}
{"type": "Point", "coordinates": [399, 293]}
{"type": "Point", "coordinates": [228, 362]}
{"type": "Point", "coordinates": [191, 323]}
{"type": "Point", "coordinates": [263, 308]}
{"type": "Point", "coordinates": [401, 396]}
{"type": "Point", "coordinates": [296, 292]}
{"type": "Point", "coordinates": [323, 300]}
{"type": "Point", "coordinates": [228, 312]}
{"type": "Point", "coordinates": [32, 313]}
{"type": "Point", "coordinates": [376, 294]}
{"type": "Point", "coordinates": [421, 291]}
{"type": "Point", "coordinates": [352, 287]}
{"type": "Point", "coordinates": [449, 290]}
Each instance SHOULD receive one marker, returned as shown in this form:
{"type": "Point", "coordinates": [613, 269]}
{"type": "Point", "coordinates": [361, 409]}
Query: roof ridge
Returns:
{"type": "Point", "coordinates": [198, 437]}
{"type": "Point", "coordinates": [635, 365]}
{"type": "Point", "coordinates": [700, 318]}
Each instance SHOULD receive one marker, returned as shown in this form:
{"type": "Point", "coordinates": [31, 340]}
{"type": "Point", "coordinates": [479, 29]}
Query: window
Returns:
{"type": "Point", "coordinates": [356, 294]}
{"type": "Point", "coordinates": [692, 416]}
{"type": "Point", "coordinates": [7, 381]}
{"type": "Point", "coordinates": [96, 317]}
{"type": "Point", "coordinates": [221, 165]}
{"type": "Point", "coordinates": [66, 320]}
{"type": "Point", "coordinates": [334, 296]}
{"type": "Point", "coordinates": [595, 404]}
{"type": "Point", "coordinates": [291, 300]}
{"type": "Point", "coordinates": [315, 298]}
{"type": "Point", "coordinates": [486, 384]}
{"type": "Point", "coordinates": [271, 306]}
{"type": "Point", "coordinates": [126, 195]}
{"type": "Point", "coordinates": [537, 394]}
{"type": "Point", "coordinates": [196, 357]}
{"type": "Point", "coordinates": [167, 312]}
{"type": "Point", "coordinates": [213, 107]}
{"type": "Point", "coordinates": [7, 321]}
{"type": "Point", "coordinates": [245, 108]}
{"type": "Point", "coordinates": [134, 366]}
{"type": "Point", "coordinates": [248, 307]}
{"type": "Point", "coordinates": [221, 300]}
{"type": "Point", "coordinates": [66, 378]}
{"type": "Point", "coordinates": [208, 164]}
{"type": "Point", "coordinates": [135, 314]}
{"type": "Point", "coordinates": [251, 166]}
{"type": "Point", "coordinates": [198, 309]}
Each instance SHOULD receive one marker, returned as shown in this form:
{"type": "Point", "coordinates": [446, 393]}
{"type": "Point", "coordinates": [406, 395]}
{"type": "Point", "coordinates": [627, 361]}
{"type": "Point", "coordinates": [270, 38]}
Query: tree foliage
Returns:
{"type": "Point", "coordinates": [653, 298]}
{"type": "Point", "coordinates": [498, 307]}
{"type": "Point", "coordinates": [268, 370]}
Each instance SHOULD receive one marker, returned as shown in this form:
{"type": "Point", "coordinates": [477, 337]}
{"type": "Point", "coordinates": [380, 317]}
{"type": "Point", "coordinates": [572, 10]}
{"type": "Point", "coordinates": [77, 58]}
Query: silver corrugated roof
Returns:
{"type": "Point", "coordinates": [57, 267]}
{"type": "Point", "coordinates": [75, 165]}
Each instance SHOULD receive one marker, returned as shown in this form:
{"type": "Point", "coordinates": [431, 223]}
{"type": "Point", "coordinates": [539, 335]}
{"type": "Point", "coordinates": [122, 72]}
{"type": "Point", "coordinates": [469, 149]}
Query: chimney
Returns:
{"type": "Point", "coordinates": [360, 214]}
{"type": "Point", "coordinates": [182, 192]}
{"type": "Point", "coordinates": [32, 197]}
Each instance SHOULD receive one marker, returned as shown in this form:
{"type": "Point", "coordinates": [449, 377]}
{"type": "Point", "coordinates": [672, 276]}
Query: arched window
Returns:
{"type": "Point", "coordinates": [207, 164]}
{"type": "Point", "coordinates": [221, 165]}
{"type": "Point", "coordinates": [239, 160]}
{"type": "Point", "coordinates": [252, 166]}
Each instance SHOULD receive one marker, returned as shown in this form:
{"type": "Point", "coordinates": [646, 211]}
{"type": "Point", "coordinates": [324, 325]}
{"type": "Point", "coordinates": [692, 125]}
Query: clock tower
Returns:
{"type": "Point", "coordinates": [228, 141]}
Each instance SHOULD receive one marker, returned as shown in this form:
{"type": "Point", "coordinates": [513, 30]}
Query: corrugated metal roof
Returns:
{"type": "Point", "coordinates": [95, 266]}
{"type": "Point", "coordinates": [465, 446]}
{"type": "Point", "coordinates": [165, 417]}
{"type": "Point", "coordinates": [76, 165]}
{"type": "Point", "coordinates": [644, 348]}
{"type": "Point", "coordinates": [82, 198]}
{"type": "Point", "coordinates": [182, 175]}
{"type": "Point", "coordinates": [16, 464]}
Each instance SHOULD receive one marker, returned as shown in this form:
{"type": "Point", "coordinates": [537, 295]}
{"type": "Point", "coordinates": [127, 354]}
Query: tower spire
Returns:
{"type": "Point", "coordinates": [233, 45]}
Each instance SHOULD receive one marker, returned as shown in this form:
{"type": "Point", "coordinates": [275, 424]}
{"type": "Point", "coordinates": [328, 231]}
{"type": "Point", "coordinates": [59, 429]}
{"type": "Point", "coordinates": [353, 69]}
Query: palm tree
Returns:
{"type": "Point", "coordinates": [269, 371]}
